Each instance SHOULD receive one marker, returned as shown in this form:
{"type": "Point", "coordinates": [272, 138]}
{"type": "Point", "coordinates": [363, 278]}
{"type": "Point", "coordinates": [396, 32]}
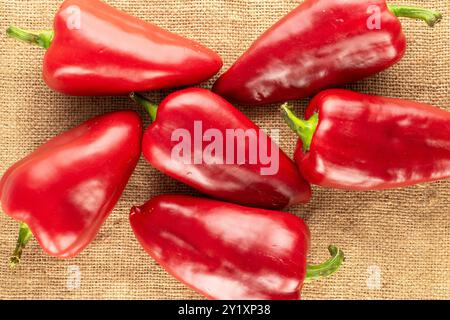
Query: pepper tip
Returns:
{"type": "Point", "coordinates": [135, 210]}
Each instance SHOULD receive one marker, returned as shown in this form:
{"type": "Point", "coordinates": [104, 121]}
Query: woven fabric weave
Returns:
{"type": "Point", "coordinates": [397, 242]}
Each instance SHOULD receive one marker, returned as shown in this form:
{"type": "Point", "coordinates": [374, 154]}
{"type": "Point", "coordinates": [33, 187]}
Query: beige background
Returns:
{"type": "Point", "coordinates": [404, 233]}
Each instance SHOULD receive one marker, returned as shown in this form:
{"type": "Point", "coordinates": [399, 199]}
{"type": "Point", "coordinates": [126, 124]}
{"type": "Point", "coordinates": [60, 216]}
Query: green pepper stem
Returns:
{"type": "Point", "coordinates": [326, 269]}
{"type": "Point", "coordinates": [24, 236]}
{"type": "Point", "coordinates": [151, 108]}
{"type": "Point", "coordinates": [42, 39]}
{"type": "Point", "coordinates": [431, 17]}
{"type": "Point", "coordinates": [304, 128]}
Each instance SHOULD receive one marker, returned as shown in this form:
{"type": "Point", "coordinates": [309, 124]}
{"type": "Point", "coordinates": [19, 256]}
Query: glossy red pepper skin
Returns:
{"type": "Point", "coordinates": [365, 142]}
{"type": "Point", "coordinates": [225, 251]}
{"type": "Point", "coordinates": [110, 53]}
{"type": "Point", "coordinates": [320, 44]}
{"type": "Point", "coordinates": [238, 183]}
{"type": "Point", "coordinates": [66, 189]}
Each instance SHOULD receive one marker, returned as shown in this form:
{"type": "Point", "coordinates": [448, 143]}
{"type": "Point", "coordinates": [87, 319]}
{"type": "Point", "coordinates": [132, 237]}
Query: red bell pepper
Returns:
{"type": "Point", "coordinates": [65, 190]}
{"type": "Point", "coordinates": [320, 44]}
{"type": "Point", "coordinates": [225, 251]}
{"type": "Point", "coordinates": [355, 141]}
{"type": "Point", "coordinates": [227, 172]}
{"type": "Point", "coordinates": [96, 49]}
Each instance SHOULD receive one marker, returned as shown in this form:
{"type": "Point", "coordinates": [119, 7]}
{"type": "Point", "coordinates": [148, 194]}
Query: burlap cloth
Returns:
{"type": "Point", "coordinates": [397, 242]}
